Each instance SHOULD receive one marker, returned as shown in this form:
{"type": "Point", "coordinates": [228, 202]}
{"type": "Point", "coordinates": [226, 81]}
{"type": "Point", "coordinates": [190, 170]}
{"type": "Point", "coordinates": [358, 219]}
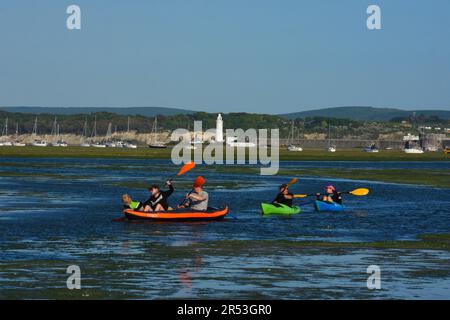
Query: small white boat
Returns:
{"type": "Point", "coordinates": [294, 148]}
{"type": "Point", "coordinates": [130, 145]}
{"type": "Point", "coordinates": [40, 143]}
{"type": "Point", "coordinates": [234, 142]}
{"type": "Point", "coordinates": [413, 150]}
{"type": "Point", "coordinates": [371, 149]}
{"type": "Point", "coordinates": [18, 144]}
{"type": "Point", "coordinates": [157, 145]}
{"type": "Point", "coordinates": [59, 143]}
{"type": "Point", "coordinates": [6, 143]}
{"type": "Point", "coordinates": [331, 149]}
{"type": "Point", "coordinates": [98, 145]}
{"type": "Point", "coordinates": [241, 144]}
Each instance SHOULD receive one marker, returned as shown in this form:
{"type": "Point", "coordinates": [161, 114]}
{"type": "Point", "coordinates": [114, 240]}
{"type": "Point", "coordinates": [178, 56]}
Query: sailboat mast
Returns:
{"type": "Point", "coordinates": [292, 132]}
{"type": "Point", "coordinates": [128, 125]}
{"type": "Point", "coordinates": [155, 125]}
{"type": "Point", "coordinates": [85, 128]}
{"type": "Point", "coordinates": [108, 132]}
{"type": "Point", "coordinates": [94, 130]}
{"type": "Point", "coordinates": [35, 127]}
{"type": "Point", "coordinates": [329, 134]}
{"type": "Point", "coordinates": [54, 128]}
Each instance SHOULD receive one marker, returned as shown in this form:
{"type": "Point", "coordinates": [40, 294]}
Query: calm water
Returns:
{"type": "Point", "coordinates": [58, 212]}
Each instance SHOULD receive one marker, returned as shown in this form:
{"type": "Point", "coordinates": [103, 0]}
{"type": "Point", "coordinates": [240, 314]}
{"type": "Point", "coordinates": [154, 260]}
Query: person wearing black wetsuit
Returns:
{"type": "Point", "coordinates": [283, 197]}
{"type": "Point", "coordinates": [158, 198]}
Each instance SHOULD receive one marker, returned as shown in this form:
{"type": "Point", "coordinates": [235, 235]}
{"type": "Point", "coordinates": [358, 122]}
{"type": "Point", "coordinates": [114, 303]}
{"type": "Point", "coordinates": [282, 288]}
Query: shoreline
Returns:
{"type": "Point", "coordinates": [148, 153]}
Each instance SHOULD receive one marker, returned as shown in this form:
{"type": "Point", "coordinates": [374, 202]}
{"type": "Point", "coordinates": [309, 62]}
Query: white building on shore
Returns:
{"type": "Point", "coordinates": [219, 129]}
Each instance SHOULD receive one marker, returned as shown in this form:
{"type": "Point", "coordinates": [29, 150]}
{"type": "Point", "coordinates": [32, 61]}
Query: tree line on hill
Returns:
{"type": "Point", "coordinates": [74, 124]}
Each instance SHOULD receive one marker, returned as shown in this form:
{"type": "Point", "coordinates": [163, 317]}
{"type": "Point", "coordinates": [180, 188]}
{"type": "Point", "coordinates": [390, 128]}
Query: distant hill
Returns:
{"type": "Point", "coordinates": [366, 113]}
{"type": "Point", "coordinates": [351, 113]}
{"type": "Point", "coordinates": [144, 111]}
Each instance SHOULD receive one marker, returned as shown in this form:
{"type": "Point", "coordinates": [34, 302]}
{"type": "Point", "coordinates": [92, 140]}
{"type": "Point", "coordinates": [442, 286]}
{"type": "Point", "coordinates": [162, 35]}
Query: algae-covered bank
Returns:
{"type": "Point", "coordinates": [148, 153]}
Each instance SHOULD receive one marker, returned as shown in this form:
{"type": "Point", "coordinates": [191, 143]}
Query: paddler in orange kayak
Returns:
{"type": "Point", "coordinates": [198, 198]}
{"type": "Point", "coordinates": [128, 203]}
{"type": "Point", "coordinates": [158, 198]}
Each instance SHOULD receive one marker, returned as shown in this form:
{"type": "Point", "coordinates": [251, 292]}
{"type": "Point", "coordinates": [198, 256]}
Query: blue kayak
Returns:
{"type": "Point", "coordinates": [325, 206]}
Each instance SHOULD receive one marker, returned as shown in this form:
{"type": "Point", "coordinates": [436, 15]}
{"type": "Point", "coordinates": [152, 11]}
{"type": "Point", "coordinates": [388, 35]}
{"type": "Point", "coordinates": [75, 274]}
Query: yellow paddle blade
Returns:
{"type": "Point", "coordinates": [300, 195]}
{"type": "Point", "coordinates": [360, 192]}
{"type": "Point", "coordinates": [290, 183]}
{"type": "Point", "coordinates": [188, 166]}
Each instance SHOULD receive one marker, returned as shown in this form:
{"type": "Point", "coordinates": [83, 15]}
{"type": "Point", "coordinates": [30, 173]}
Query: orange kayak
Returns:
{"type": "Point", "coordinates": [179, 214]}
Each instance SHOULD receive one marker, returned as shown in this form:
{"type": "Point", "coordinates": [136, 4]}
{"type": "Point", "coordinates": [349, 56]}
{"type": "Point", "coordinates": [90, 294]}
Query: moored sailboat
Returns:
{"type": "Point", "coordinates": [156, 144]}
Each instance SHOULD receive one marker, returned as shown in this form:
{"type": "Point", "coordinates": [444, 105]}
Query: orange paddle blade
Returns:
{"type": "Point", "coordinates": [188, 166]}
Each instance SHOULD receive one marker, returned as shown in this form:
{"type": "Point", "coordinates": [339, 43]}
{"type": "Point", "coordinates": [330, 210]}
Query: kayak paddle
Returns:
{"type": "Point", "coordinates": [198, 181]}
{"type": "Point", "coordinates": [290, 183]}
{"type": "Point", "coordinates": [187, 167]}
{"type": "Point", "coordinates": [359, 192]}
{"type": "Point", "coordinates": [356, 192]}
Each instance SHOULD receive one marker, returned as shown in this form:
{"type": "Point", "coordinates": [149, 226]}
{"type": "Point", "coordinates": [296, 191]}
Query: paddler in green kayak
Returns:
{"type": "Point", "coordinates": [283, 196]}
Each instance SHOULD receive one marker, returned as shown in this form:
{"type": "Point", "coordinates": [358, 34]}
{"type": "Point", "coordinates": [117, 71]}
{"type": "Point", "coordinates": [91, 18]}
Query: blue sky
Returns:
{"type": "Point", "coordinates": [225, 55]}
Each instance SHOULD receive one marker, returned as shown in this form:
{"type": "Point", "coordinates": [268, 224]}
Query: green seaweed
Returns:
{"type": "Point", "coordinates": [147, 153]}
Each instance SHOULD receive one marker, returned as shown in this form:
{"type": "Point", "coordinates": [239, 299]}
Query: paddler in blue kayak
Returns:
{"type": "Point", "coordinates": [283, 196]}
{"type": "Point", "coordinates": [331, 195]}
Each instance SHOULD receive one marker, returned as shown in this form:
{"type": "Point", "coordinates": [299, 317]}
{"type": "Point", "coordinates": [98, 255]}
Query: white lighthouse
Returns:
{"type": "Point", "coordinates": [219, 129]}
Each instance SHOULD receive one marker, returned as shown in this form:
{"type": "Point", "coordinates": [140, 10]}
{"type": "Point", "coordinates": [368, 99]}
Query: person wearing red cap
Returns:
{"type": "Point", "coordinates": [331, 195]}
{"type": "Point", "coordinates": [198, 198]}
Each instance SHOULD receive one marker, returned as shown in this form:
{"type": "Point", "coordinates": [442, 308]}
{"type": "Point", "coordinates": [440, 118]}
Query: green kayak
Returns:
{"type": "Point", "coordinates": [268, 208]}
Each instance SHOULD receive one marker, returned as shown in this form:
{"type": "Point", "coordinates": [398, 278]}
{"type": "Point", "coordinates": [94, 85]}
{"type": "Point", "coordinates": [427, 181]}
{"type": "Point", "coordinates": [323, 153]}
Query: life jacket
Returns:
{"type": "Point", "coordinates": [134, 204]}
{"type": "Point", "coordinates": [336, 196]}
